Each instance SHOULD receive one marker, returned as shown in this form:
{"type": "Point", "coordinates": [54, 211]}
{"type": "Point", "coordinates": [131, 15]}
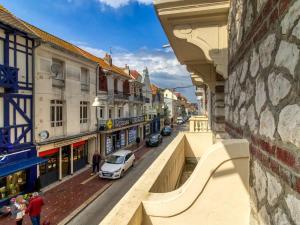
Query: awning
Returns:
{"type": "Point", "coordinates": [20, 165]}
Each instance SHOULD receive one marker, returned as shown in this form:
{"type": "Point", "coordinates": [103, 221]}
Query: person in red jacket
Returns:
{"type": "Point", "coordinates": [34, 208]}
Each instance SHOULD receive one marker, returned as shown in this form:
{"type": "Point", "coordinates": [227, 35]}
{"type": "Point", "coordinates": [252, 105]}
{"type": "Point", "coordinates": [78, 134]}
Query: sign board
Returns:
{"type": "Point", "coordinates": [109, 145]}
{"type": "Point", "coordinates": [123, 139]}
{"type": "Point", "coordinates": [109, 124]}
{"type": "Point", "coordinates": [132, 134]}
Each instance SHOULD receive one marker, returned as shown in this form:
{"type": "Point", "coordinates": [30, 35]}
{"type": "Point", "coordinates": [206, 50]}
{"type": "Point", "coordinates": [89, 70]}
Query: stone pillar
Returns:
{"type": "Point", "coordinates": [209, 111]}
{"type": "Point", "coordinates": [60, 164]}
{"type": "Point", "coordinates": [219, 105]}
{"type": "Point", "coordinates": [72, 159]}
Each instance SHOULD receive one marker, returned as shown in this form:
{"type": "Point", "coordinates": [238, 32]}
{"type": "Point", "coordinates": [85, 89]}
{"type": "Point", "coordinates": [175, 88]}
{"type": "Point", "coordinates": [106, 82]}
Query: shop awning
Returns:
{"type": "Point", "coordinates": [20, 165]}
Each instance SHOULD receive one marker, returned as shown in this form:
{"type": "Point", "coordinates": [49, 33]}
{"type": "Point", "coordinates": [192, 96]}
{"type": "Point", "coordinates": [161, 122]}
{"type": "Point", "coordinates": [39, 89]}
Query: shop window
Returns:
{"type": "Point", "coordinates": [12, 185]}
{"type": "Point", "coordinates": [84, 112]}
{"type": "Point", "coordinates": [56, 113]}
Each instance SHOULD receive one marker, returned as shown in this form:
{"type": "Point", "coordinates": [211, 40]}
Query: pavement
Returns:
{"type": "Point", "coordinates": [95, 212]}
{"type": "Point", "coordinates": [84, 199]}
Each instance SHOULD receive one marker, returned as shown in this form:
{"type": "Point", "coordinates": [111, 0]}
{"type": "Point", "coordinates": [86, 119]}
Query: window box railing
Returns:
{"type": "Point", "coordinates": [59, 83]}
{"type": "Point", "coordinates": [85, 87]}
{"type": "Point", "coordinates": [8, 77]}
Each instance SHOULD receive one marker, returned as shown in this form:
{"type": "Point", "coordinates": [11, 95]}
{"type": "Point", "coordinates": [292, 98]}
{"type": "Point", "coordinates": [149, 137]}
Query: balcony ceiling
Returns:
{"type": "Point", "coordinates": [197, 32]}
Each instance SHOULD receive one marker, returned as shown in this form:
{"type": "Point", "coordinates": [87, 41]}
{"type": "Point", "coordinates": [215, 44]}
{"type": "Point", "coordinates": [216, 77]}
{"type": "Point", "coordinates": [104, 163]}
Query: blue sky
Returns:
{"type": "Point", "coordinates": [129, 28]}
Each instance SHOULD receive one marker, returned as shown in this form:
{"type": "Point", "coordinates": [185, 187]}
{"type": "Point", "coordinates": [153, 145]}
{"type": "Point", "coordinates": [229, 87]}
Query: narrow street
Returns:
{"type": "Point", "coordinates": [98, 209]}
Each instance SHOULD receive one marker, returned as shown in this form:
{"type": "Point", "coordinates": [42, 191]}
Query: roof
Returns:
{"type": "Point", "coordinates": [135, 74]}
{"type": "Point", "coordinates": [10, 19]}
{"type": "Point", "coordinates": [154, 89]}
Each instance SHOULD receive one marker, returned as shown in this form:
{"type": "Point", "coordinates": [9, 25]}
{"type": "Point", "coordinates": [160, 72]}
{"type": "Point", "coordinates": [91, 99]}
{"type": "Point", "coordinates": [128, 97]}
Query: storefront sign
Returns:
{"type": "Point", "coordinates": [109, 145]}
{"type": "Point", "coordinates": [132, 134]}
{"type": "Point", "coordinates": [121, 123]}
{"type": "Point", "coordinates": [48, 152]}
{"type": "Point", "coordinates": [137, 119]}
{"type": "Point", "coordinates": [109, 124]}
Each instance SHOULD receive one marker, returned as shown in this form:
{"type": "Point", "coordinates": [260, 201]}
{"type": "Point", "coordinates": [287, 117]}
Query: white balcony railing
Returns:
{"type": "Point", "coordinates": [199, 124]}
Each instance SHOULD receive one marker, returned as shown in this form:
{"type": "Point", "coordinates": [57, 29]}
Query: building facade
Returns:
{"type": "Point", "coordinates": [170, 100]}
{"type": "Point", "coordinates": [18, 155]}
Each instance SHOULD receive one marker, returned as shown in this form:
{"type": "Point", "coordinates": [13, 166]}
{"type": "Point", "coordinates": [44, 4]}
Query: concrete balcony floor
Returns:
{"type": "Point", "coordinates": [212, 191]}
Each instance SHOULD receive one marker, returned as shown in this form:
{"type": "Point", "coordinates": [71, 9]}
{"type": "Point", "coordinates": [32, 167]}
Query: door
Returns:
{"type": "Point", "coordinates": [66, 162]}
{"type": "Point", "coordinates": [128, 161]}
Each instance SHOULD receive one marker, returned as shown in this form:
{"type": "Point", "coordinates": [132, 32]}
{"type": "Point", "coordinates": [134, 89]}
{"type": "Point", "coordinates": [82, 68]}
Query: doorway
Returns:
{"type": "Point", "coordinates": [66, 160]}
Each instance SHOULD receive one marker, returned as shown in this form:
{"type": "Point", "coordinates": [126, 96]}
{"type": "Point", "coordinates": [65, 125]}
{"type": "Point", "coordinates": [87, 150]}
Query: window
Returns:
{"type": "Point", "coordinates": [84, 112]}
{"type": "Point", "coordinates": [12, 185]}
{"type": "Point", "coordinates": [85, 78]}
{"type": "Point", "coordinates": [57, 68]}
{"type": "Point", "coordinates": [101, 112]}
{"type": "Point", "coordinates": [56, 113]}
{"type": "Point", "coordinates": [120, 112]}
{"type": "Point", "coordinates": [109, 114]}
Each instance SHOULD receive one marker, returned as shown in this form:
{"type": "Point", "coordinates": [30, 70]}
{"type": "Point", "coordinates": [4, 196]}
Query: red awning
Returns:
{"type": "Point", "coordinates": [49, 152]}
{"type": "Point", "coordinates": [77, 144]}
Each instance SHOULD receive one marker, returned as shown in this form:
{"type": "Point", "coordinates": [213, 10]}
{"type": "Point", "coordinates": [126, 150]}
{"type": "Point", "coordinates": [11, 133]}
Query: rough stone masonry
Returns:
{"type": "Point", "coordinates": [262, 103]}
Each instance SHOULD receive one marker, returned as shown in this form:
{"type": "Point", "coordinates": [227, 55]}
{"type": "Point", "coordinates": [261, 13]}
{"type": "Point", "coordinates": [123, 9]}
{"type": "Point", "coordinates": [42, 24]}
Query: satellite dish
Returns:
{"type": "Point", "coordinates": [56, 68]}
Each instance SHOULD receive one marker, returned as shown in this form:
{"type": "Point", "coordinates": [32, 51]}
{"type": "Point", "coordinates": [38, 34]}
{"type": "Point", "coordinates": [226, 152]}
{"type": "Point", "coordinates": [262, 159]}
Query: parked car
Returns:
{"type": "Point", "coordinates": [180, 120]}
{"type": "Point", "coordinates": [154, 140]}
{"type": "Point", "coordinates": [117, 164]}
{"type": "Point", "coordinates": [166, 131]}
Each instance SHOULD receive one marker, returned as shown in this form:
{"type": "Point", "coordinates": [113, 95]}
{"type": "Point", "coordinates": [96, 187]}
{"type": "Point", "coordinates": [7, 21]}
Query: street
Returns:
{"type": "Point", "coordinates": [98, 209]}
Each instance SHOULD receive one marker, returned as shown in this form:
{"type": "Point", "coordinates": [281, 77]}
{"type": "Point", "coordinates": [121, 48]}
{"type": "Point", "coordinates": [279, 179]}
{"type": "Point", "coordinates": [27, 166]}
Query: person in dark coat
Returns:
{"type": "Point", "coordinates": [96, 162]}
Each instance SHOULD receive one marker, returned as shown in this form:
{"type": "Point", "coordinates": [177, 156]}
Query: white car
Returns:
{"type": "Point", "coordinates": [116, 164]}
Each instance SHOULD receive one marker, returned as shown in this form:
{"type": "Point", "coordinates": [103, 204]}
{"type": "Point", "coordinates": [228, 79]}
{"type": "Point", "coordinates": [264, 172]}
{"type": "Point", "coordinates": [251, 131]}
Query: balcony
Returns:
{"type": "Point", "coordinates": [118, 96]}
{"type": "Point", "coordinates": [215, 192]}
{"type": "Point", "coordinates": [8, 77]}
{"type": "Point", "coordinates": [58, 83]}
{"type": "Point", "coordinates": [119, 123]}
{"type": "Point", "coordinates": [137, 98]}
{"type": "Point", "coordinates": [199, 124]}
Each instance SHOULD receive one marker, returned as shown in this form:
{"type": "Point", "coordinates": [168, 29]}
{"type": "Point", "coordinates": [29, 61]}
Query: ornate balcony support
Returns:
{"type": "Point", "coordinates": [8, 77]}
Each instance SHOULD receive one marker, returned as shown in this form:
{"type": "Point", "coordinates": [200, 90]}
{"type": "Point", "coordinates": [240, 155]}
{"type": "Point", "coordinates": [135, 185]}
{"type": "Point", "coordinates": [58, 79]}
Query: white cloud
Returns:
{"type": "Point", "coordinates": [120, 3]}
{"type": "Point", "coordinates": [165, 71]}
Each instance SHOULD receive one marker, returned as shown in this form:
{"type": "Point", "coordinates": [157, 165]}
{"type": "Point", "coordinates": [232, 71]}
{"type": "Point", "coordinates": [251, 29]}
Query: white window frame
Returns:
{"type": "Point", "coordinates": [56, 113]}
{"type": "Point", "coordinates": [84, 112]}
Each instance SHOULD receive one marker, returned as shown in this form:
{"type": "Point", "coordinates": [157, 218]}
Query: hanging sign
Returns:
{"type": "Point", "coordinates": [109, 145]}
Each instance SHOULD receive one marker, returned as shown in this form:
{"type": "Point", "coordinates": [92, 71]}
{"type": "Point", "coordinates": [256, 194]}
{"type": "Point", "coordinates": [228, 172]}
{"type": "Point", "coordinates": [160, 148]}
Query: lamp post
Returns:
{"type": "Point", "coordinates": [97, 104]}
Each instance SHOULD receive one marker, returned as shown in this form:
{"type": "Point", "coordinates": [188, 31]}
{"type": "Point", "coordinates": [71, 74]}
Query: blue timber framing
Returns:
{"type": "Point", "coordinates": [16, 133]}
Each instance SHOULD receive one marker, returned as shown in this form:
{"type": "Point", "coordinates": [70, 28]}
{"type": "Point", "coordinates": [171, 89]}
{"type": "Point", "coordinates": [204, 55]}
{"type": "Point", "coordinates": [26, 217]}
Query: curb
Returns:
{"type": "Point", "coordinates": [84, 205]}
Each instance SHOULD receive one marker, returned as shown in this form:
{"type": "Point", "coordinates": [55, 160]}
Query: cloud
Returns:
{"type": "Point", "coordinates": [165, 71]}
{"type": "Point", "coordinates": [120, 3]}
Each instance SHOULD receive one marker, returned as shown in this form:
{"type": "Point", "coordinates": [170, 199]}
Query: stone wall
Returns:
{"type": "Point", "coordinates": [262, 103]}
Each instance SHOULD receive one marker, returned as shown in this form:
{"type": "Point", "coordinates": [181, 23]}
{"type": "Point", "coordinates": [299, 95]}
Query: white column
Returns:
{"type": "Point", "coordinates": [60, 164]}
{"type": "Point", "coordinates": [209, 108]}
{"type": "Point", "coordinates": [72, 157]}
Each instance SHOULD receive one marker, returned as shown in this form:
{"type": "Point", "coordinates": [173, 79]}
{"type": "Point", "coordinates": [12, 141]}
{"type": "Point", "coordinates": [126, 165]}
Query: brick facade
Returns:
{"type": "Point", "coordinates": [262, 103]}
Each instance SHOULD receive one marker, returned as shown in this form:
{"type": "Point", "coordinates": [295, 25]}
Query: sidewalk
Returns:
{"type": "Point", "coordinates": [72, 194]}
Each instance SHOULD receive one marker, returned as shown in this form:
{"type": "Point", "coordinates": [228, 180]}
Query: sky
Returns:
{"type": "Point", "coordinates": [129, 29]}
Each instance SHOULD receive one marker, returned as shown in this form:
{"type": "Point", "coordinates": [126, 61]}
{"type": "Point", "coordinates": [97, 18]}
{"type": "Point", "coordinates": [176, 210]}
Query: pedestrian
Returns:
{"type": "Point", "coordinates": [96, 162]}
{"type": "Point", "coordinates": [18, 209]}
{"type": "Point", "coordinates": [34, 208]}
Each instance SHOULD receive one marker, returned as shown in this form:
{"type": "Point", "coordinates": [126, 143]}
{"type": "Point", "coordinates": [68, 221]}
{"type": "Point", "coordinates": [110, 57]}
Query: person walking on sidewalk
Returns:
{"type": "Point", "coordinates": [18, 209]}
{"type": "Point", "coordinates": [34, 208]}
{"type": "Point", "coordinates": [96, 162]}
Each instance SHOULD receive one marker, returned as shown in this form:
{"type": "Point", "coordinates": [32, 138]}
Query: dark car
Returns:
{"type": "Point", "coordinates": [154, 140]}
{"type": "Point", "coordinates": [166, 131]}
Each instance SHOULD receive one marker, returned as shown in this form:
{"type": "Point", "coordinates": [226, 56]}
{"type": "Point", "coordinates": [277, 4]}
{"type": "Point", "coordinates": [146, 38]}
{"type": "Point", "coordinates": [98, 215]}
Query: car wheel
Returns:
{"type": "Point", "coordinates": [122, 174]}
{"type": "Point", "coordinates": [133, 162]}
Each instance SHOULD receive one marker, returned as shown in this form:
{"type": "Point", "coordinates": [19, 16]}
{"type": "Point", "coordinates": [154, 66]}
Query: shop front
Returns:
{"type": "Point", "coordinates": [115, 141]}
{"type": "Point", "coordinates": [64, 159]}
{"type": "Point", "coordinates": [80, 155]}
{"type": "Point", "coordinates": [18, 173]}
{"type": "Point", "coordinates": [132, 135]}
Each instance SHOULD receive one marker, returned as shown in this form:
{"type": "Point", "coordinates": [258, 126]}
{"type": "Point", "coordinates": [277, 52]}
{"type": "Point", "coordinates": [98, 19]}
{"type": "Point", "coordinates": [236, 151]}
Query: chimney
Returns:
{"type": "Point", "coordinates": [127, 70]}
{"type": "Point", "coordinates": [108, 59]}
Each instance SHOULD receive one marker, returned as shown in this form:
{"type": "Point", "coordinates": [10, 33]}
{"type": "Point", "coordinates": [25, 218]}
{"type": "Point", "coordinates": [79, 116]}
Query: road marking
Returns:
{"type": "Point", "coordinates": [91, 178]}
{"type": "Point", "coordinates": [84, 205]}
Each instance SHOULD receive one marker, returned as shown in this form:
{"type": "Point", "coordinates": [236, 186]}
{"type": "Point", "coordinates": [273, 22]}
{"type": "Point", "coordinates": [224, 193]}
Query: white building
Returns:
{"type": "Point", "coordinates": [170, 100]}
